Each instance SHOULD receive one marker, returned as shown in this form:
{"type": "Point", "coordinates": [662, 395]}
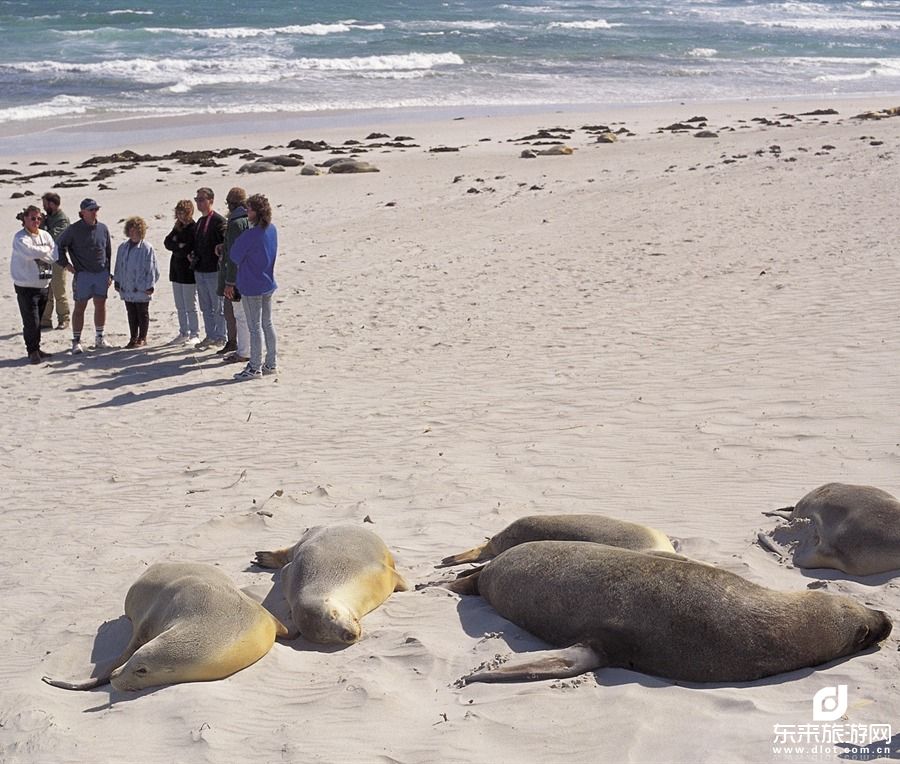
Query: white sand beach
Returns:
{"type": "Point", "coordinates": [678, 331]}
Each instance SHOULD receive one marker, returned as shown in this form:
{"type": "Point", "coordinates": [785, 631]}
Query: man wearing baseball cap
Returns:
{"type": "Point", "coordinates": [85, 250]}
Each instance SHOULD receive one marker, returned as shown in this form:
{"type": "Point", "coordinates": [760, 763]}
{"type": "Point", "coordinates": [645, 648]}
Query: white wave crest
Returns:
{"type": "Point", "coordinates": [128, 10]}
{"type": "Point", "coordinates": [174, 71]}
{"type": "Point", "coordinates": [829, 25]}
{"type": "Point", "coordinates": [237, 33]}
{"type": "Point", "coordinates": [702, 52]}
{"type": "Point", "coordinates": [596, 24]}
{"type": "Point", "coordinates": [60, 106]}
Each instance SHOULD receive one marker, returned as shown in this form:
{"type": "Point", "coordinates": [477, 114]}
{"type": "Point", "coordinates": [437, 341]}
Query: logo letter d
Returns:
{"type": "Point", "coordinates": [830, 703]}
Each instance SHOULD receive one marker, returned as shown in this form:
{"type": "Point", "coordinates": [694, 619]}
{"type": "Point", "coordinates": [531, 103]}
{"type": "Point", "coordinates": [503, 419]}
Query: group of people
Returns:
{"type": "Point", "coordinates": [224, 265]}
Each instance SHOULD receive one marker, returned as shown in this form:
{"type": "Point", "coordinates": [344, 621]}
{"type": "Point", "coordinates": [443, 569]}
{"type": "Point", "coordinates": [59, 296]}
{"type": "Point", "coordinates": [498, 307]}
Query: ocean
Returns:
{"type": "Point", "coordinates": [103, 57]}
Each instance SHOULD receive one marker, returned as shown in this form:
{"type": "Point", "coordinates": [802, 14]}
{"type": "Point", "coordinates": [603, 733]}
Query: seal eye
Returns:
{"type": "Point", "coordinates": [142, 671]}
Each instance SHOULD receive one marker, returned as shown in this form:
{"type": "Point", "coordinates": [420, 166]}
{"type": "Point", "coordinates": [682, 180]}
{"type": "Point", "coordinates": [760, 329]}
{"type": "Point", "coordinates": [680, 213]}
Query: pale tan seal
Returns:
{"type": "Point", "coordinates": [331, 578]}
{"type": "Point", "coordinates": [190, 623]}
{"type": "Point", "coordinates": [853, 528]}
{"type": "Point", "coordinates": [596, 528]}
{"type": "Point", "coordinates": [652, 613]}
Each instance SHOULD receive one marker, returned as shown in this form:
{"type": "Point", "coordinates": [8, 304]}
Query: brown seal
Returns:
{"type": "Point", "coordinates": [853, 528]}
{"type": "Point", "coordinates": [596, 528]}
{"type": "Point", "coordinates": [652, 613]}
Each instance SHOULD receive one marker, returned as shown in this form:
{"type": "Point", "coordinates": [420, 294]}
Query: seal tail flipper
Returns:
{"type": "Point", "coordinates": [784, 513]}
{"type": "Point", "coordinates": [400, 584]}
{"type": "Point", "coordinates": [275, 559]}
{"type": "Point", "coordinates": [546, 664]}
{"type": "Point", "coordinates": [471, 555]}
{"type": "Point", "coordinates": [465, 583]}
{"type": "Point", "coordinates": [771, 545]}
{"type": "Point", "coordinates": [87, 684]}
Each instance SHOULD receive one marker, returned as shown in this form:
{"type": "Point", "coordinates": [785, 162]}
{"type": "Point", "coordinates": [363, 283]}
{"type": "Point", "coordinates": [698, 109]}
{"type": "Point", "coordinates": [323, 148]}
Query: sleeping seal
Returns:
{"type": "Point", "coordinates": [596, 528]}
{"type": "Point", "coordinates": [853, 528]}
{"type": "Point", "coordinates": [190, 623]}
{"type": "Point", "coordinates": [332, 577]}
{"type": "Point", "coordinates": [672, 618]}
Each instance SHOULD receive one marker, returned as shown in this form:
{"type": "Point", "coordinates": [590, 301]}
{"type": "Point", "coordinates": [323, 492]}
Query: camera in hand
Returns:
{"type": "Point", "coordinates": [44, 270]}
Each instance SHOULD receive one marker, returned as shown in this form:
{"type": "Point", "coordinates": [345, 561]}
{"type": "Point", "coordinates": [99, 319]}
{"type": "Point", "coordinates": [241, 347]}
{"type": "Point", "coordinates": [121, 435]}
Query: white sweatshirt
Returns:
{"type": "Point", "coordinates": [26, 248]}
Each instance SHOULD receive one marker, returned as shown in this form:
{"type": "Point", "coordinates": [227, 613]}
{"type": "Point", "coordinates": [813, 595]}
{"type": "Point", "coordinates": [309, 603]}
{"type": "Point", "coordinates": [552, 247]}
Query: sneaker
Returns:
{"type": "Point", "coordinates": [228, 347]}
{"type": "Point", "coordinates": [181, 339]}
{"type": "Point", "coordinates": [192, 341]}
{"type": "Point", "coordinates": [34, 357]}
{"type": "Point", "coordinates": [63, 324]}
{"type": "Point", "coordinates": [101, 343]}
{"type": "Point", "coordinates": [76, 347]}
{"type": "Point", "coordinates": [235, 358]}
{"type": "Point", "coordinates": [132, 343]}
{"type": "Point", "coordinates": [248, 373]}
{"type": "Point", "coordinates": [269, 370]}
{"type": "Point", "coordinates": [204, 344]}
{"type": "Point", "coordinates": [42, 354]}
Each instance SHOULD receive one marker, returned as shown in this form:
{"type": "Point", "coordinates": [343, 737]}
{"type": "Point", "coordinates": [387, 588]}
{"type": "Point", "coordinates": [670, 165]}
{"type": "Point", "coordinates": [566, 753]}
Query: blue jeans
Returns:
{"type": "Point", "coordinates": [186, 306]}
{"type": "Point", "coordinates": [259, 320]}
{"type": "Point", "coordinates": [211, 305]}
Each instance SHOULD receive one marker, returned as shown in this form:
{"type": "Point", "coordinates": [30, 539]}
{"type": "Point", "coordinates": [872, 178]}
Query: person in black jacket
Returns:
{"type": "Point", "coordinates": [208, 234]}
{"type": "Point", "coordinates": [180, 242]}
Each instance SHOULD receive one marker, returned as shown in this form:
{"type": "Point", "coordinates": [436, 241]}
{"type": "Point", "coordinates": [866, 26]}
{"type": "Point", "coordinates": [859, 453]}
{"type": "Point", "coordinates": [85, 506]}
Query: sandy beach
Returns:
{"type": "Point", "coordinates": [675, 330]}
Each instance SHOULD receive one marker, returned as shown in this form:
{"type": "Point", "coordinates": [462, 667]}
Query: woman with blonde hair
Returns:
{"type": "Point", "coordinates": [135, 275]}
{"type": "Point", "coordinates": [180, 242]}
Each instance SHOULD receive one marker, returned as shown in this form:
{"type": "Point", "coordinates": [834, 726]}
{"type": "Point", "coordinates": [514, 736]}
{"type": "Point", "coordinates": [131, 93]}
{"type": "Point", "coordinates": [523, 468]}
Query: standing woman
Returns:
{"type": "Point", "coordinates": [135, 275]}
{"type": "Point", "coordinates": [254, 253]}
{"type": "Point", "coordinates": [180, 242]}
{"type": "Point", "coordinates": [30, 266]}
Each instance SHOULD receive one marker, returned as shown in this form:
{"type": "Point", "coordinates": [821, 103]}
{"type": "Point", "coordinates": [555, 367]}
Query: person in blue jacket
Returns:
{"type": "Point", "coordinates": [254, 253]}
{"type": "Point", "coordinates": [135, 277]}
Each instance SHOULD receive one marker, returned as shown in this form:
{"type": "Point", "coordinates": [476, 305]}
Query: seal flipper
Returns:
{"type": "Point", "coordinates": [103, 677]}
{"type": "Point", "coordinates": [770, 545]}
{"type": "Point", "coordinates": [545, 664]}
{"type": "Point", "coordinates": [275, 559]}
{"type": "Point", "coordinates": [476, 554]}
{"type": "Point", "coordinates": [785, 513]}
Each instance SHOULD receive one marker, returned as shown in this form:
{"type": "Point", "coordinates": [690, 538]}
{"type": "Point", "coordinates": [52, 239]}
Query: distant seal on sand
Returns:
{"type": "Point", "coordinates": [853, 528]}
{"type": "Point", "coordinates": [332, 577]}
{"type": "Point", "coordinates": [596, 528]}
{"type": "Point", "coordinates": [651, 613]}
{"type": "Point", "coordinates": [190, 623]}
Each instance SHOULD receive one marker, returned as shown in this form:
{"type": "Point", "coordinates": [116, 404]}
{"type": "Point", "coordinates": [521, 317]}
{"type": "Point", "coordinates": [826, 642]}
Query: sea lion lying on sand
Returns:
{"type": "Point", "coordinates": [332, 577]}
{"type": "Point", "coordinates": [853, 528]}
{"type": "Point", "coordinates": [190, 623]}
{"type": "Point", "coordinates": [596, 528]}
{"type": "Point", "coordinates": [672, 618]}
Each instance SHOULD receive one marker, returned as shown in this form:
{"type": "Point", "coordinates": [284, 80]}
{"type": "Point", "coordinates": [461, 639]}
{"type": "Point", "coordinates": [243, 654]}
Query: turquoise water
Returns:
{"type": "Point", "coordinates": [165, 57]}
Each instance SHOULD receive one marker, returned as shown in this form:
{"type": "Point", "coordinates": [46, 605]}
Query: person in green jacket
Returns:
{"type": "Point", "coordinates": [55, 222]}
{"type": "Point", "coordinates": [235, 320]}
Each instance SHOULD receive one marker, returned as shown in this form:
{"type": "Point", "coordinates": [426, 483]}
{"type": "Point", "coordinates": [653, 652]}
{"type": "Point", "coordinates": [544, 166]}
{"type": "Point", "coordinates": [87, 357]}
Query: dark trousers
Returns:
{"type": "Point", "coordinates": [32, 302]}
{"type": "Point", "coordinates": [138, 319]}
{"type": "Point", "coordinates": [230, 324]}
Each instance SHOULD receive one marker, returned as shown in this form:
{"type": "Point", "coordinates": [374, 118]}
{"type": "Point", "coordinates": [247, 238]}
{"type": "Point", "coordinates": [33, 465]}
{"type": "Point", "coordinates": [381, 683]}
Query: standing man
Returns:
{"type": "Point", "coordinates": [55, 222]}
{"type": "Point", "coordinates": [85, 249]}
{"type": "Point", "coordinates": [235, 320]}
{"type": "Point", "coordinates": [210, 232]}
